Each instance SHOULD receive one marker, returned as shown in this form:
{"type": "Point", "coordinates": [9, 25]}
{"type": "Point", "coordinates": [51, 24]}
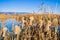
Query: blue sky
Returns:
{"type": "Point", "coordinates": [27, 5]}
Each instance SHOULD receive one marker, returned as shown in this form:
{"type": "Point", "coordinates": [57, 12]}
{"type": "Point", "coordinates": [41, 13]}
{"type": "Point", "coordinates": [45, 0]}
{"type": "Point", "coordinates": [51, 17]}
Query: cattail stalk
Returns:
{"type": "Point", "coordinates": [17, 31]}
{"type": "Point", "coordinates": [22, 22]}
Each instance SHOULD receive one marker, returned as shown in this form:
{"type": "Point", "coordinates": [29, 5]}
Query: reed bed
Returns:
{"type": "Point", "coordinates": [40, 28]}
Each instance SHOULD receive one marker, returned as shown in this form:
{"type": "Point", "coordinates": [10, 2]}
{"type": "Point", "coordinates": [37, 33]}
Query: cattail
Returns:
{"type": "Point", "coordinates": [55, 22]}
{"type": "Point", "coordinates": [41, 23]}
{"type": "Point", "coordinates": [17, 31]}
{"type": "Point", "coordinates": [23, 21]}
{"type": "Point", "coordinates": [48, 30]}
{"type": "Point", "coordinates": [41, 35]}
{"type": "Point", "coordinates": [48, 25]}
{"type": "Point", "coordinates": [31, 20]}
{"type": "Point", "coordinates": [4, 30]}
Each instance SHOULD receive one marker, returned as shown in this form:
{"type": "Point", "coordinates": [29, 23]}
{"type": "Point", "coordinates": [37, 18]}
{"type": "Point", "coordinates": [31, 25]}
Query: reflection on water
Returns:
{"type": "Point", "coordinates": [8, 24]}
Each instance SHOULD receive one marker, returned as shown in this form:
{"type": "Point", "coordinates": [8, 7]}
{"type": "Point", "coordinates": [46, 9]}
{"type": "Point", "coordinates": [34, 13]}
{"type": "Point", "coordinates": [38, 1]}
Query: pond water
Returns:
{"type": "Point", "coordinates": [8, 24]}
